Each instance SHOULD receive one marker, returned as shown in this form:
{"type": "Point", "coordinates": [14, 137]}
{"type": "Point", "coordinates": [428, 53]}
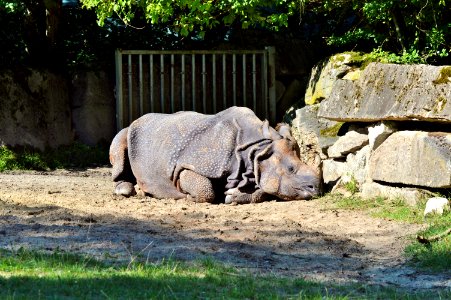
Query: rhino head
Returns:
{"type": "Point", "coordinates": [279, 170]}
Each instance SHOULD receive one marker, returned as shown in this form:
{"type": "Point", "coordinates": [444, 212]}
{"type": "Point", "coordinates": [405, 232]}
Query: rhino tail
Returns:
{"type": "Point", "coordinates": [122, 172]}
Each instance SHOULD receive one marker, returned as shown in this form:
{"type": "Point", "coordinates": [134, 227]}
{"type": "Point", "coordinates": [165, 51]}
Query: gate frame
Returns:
{"type": "Point", "coordinates": [269, 80]}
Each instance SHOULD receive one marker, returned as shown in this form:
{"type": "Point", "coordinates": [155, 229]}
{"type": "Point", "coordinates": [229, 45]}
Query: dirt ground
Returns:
{"type": "Point", "coordinates": [77, 211]}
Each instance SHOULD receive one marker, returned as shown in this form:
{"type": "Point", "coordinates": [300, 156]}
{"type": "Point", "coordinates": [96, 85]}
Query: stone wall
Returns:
{"type": "Point", "coordinates": [41, 109]}
{"type": "Point", "coordinates": [385, 132]}
{"type": "Point", "coordinates": [35, 109]}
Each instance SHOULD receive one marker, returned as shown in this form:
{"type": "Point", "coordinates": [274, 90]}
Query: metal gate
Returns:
{"type": "Point", "coordinates": [202, 81]}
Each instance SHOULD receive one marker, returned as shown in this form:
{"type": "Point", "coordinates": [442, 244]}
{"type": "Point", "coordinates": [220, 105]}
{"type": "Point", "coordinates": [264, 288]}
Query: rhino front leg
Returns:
{"type": "Point", "coordinates": [197, 186]}
{"type": "Point", "coordinates": [238, 197]}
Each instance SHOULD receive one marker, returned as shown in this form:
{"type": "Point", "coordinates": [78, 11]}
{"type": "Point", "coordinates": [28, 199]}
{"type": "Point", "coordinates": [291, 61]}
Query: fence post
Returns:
{"type": "Point", "coordinates": [119, 95]}
{"type": "Point", "coordinates": [271, 52]}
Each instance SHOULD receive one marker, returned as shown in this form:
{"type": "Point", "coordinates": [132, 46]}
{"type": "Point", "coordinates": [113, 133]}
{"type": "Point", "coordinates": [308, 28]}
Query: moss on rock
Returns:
{"type": "Point", "coordinates": [331, 131]}
{"type": "Point", "coordinates": [444, 76]}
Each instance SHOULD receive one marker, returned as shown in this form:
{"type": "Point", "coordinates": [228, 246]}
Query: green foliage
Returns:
{"type": "Point", "coordinates": [13, 48]}
{"type": "Point", "coordinates": [416, 31]}
{"type": "Point", "coordinates": [352, 186]}
{"type": "Point", "coordinates": [407, 57]}
{"type": "Point", "coordinates": [74, 156]}
{"type": "Point", "coordinates": [195, 17]}
{"type": "Point", "coordinates": [35, 275]}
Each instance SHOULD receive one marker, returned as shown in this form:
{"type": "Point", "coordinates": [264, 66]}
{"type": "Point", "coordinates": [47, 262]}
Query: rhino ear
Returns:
{"type": "Point", "coordinates": [269, 132]}
{"type": "Point", "coordinates": [284, 131]}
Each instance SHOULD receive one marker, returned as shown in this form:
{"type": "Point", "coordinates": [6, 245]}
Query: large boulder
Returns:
{"type": "Point", "coordinates": [413, 158]}
{"type": "Point", "coordinates": [326, 73]}
{"type": "Point", "coordinates": [391, 92]}
{"type": "Point", "coordinates": [313, 135]}
{"type": "Point", "coordinates": [35, 109]}
{"type": "Point", "coordinates": [93, 107]}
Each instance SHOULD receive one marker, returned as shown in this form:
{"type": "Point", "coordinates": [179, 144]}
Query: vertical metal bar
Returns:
{"type": "Point", "coordinates": [193, 81]}
{"type": "Point", "coordinates": [272, 83]}
{"type": "Point", "coordinates": [151, 84]}
{"type": "Point", "coordinates": [244, 80]}
{"type": "Point", "coordinates": [162, 106]}
{"type": "Point", "coordinates": [213, 61]}
{"type": "Point", "coordinates": [130, 90]}
{"type": "Point", "coordinates": [204, 85]}
{"type": "Point", "coordinates": [172, 84]}
{"type": "Point", "coordinates": [119, 95]}
{"type": "Point", "coordinates": [141, 86]}
{"type": "Point", "coordinates": [234, 78]}
{"type": "Point", "coordinates": [254, 82]}
{"type": "Point", "coordinates": [183, 81]}
{"type": "Point", "coordinates": [224, 81]}
{"type": "Point", "coordinates": [264, 71]}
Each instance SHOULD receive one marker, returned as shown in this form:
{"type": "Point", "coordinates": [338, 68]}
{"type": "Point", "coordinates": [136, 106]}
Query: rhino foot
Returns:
{"type": "Point", "coordinates": [125, 188]}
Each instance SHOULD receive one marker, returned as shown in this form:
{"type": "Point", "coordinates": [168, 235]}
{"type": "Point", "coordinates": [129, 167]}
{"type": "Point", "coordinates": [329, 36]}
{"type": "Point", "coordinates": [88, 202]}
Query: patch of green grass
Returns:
{"type": "Point", "coordinates": [32, 275]}
{"type": "Point", "coordinates": [74, 156]}
{"type": "Point", "coordinates": [353, 202]}
{"type": "Point", "coordinates": [352, 186]}
{"type": "Point", "coordinates": [398, 210]}
{"type": "Point", "coordinates": [435, 256]}
{"type": "Point", "coordinates": [379, 207]}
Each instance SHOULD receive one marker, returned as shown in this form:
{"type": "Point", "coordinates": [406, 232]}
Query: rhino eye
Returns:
{"type": "Point", "coordinates": [290, 169]}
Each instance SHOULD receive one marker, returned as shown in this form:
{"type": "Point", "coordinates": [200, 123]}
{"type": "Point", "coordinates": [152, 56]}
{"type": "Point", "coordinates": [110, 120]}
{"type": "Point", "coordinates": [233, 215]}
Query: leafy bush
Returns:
{"type": "Point", "coordinates": [74, 156]}
{"type": "Point", "coordinates": [410, 31]}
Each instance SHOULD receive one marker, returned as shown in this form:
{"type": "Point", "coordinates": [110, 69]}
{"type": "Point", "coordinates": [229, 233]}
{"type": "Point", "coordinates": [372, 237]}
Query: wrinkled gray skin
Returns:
{"type": "Point", "coordinates": [204, 157]}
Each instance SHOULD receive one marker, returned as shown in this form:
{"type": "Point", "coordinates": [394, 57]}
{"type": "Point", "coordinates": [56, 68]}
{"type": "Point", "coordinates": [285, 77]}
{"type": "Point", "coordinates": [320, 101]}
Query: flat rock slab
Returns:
{"type": "Point", "coordinates": [414, 158]}
{"type": "Point", "coordinates": [392, 92]}
{"type": "Point", "coordinates": [349, 143]}
{"type": "Point", "coordinates": [411, 196]}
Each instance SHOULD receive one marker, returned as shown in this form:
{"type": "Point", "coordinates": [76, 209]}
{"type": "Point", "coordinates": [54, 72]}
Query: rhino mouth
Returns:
{"type": "Point", "coordinates": [306, 192]}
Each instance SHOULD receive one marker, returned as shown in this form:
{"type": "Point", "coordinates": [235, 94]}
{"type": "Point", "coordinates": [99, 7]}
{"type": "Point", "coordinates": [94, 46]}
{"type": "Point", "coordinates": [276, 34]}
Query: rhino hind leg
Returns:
{"type": "Point", "coordinates": [198, 187]}
{"type": "Point", "coordinates": [124, 180]}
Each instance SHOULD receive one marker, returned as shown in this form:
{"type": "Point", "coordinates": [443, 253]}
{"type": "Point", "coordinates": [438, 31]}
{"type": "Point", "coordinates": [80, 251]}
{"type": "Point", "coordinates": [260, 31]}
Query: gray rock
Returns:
{"type": "Point", "coordinates": [306, 129]}
{"type": "Point", "coordinates": [412, 196]}
{"type": "Point", "coordinates": [413, 158]}
{"type": "Point", "coordinates": [391, 92]}
{"type": "Point", "coordinates": [436, 205]}
{"type": "Point", "coordinates": [93, 107]}
{"type": "Point", "coordinates": [333, 170]}
{"type": "Point", "coordinates": [357, 166]}
{"type": "Point", "coordinates": [350, 142]}
{"type": "Point", "coordinates": [325, 74]}
{"type": "Point", "coordinates": [35, 109]}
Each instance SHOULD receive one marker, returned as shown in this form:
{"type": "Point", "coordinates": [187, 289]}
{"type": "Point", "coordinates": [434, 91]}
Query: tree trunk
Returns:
{"type": "Point", "coordinates": [400, 27]}
{"type": "Point", "coordinates": [41, 22]}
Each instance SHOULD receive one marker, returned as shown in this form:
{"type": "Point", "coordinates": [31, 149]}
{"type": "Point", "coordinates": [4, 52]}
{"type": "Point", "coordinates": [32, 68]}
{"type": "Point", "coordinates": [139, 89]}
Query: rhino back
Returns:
{"type": "Point", "coordinates": [160, 143]}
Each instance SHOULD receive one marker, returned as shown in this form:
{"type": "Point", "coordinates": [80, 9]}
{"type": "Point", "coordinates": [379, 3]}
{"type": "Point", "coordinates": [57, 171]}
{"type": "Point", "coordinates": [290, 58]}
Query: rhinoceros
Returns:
{"type": "Point", "coordinates": [232, 156]}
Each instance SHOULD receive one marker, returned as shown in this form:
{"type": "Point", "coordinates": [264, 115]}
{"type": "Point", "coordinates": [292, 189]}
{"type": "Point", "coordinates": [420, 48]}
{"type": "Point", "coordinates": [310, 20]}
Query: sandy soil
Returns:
{"type": "Point", "coordinates": [76, 211]}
